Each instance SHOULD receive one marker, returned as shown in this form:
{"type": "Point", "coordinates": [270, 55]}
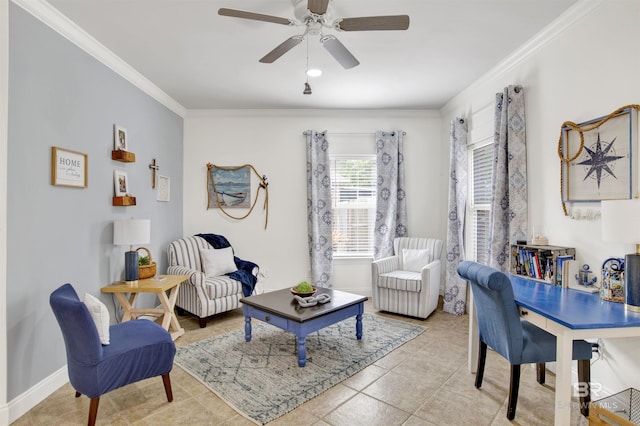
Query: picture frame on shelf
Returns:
{"type": "Point", "coordinates": [604, 170]}
{"type": "Point", "coordinates": [120, 140]}
{"type": "Point", "coordinates": [69, 168]}
{"type": "Point", "coordinates": [163, 191]}
{"type": "Point", "coordinates": [121, 183]}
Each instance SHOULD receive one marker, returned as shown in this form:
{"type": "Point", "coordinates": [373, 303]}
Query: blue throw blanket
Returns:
{"type": "Point", "coordinates": [243, 274]}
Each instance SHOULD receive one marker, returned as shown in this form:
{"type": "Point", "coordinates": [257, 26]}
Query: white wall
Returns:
{"type": "Point", "coordinates": [4, 107]}
{"type": "Point", "coordinates": [272, 141]}
{"type": "Point", "coordinates": [583, 72]}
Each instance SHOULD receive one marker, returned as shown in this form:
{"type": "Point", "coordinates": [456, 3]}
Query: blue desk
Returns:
{"type": "Point", "coordinates": [571, 308]}
{"type": "Point", "coordinates": [569, 315]}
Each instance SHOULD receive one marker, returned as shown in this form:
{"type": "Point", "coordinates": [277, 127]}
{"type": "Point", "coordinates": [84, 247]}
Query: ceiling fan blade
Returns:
{"type": "Point", "coordinates": [254, 16]}
{"type": "Point", "coordinates": [319, 7]}
{"type": "Point", "coordinates": [339, 52]}
{"type": "Point", "coordinates": [283, 48]}
{"type": "Point", "coordinates": [374, 23]}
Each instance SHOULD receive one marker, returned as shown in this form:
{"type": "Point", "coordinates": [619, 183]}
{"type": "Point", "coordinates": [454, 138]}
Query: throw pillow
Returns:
{"type": "Point", "coordinates": [217, 262]}
{"type": "Point", "coordinates": [100, 315]}
{"type": "Point", "coordinates": [415, 260]}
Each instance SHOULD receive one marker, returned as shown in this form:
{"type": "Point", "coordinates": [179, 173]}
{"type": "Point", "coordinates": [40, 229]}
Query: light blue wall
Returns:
{"type": "Point", "coordinates": [60, 96]}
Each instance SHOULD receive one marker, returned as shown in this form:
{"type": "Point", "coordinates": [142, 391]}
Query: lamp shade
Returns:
{"type": "Point", "coordinates": [131, 232]}
{"type": "Point", "coordinates": [621, 221]}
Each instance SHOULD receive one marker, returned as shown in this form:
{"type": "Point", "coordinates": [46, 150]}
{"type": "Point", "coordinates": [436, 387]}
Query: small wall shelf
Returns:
{"type": "Point", "coordinates": [124, 200]}
{"type": "Point", "coordinates": [123, 156]}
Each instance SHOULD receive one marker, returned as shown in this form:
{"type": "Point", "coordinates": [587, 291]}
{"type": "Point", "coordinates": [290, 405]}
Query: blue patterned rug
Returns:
{"type": "Point", "coordinates": [261, 379]}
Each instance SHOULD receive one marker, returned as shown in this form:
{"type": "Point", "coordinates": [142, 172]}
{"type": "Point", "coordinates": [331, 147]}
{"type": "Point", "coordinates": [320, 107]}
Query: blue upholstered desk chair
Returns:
{"type": "Point", "coordinates": [138, 350]}
{"type": "Point", "coordinates": [517, 340]}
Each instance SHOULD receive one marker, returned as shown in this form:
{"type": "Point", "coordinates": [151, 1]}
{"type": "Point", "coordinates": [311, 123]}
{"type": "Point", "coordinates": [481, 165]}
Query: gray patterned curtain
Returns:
{"type": "Point", "coordinates": [391, 204]}
{"type": "Point", "coordinates": [509, 216]}
{"type": "Point", "coordinates": [319, 209]}
{"type": "Point", "coordinates": [455, 295]}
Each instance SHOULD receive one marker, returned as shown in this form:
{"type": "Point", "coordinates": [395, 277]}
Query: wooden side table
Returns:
{"type": "Point", "coordinates": [158, 285]}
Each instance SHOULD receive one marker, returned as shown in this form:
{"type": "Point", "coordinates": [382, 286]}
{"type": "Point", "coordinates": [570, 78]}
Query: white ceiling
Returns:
{"type": "Point", "coordinates": [205, 61]}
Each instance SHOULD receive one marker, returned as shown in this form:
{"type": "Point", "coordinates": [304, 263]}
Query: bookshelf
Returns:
{"type": "Point", "coordinates": [539, 262]}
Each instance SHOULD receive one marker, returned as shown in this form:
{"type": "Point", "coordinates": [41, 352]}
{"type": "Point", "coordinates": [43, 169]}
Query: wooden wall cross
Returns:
{"type": "Point", "coordinates": [153, 168]}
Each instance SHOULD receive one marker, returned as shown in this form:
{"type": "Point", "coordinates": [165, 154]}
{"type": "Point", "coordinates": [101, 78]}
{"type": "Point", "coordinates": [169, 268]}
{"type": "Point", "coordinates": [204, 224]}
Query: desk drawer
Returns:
{"type": "Point", "coordinates": [532, 317]}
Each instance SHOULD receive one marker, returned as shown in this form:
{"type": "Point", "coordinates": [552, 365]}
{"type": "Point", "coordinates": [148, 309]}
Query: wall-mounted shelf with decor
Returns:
{"type": "Point", "coordinates": [123, 156]}
{"type": "Point", "coordinates": [124, 200]}
{"type": "Point", "coordinates": [539, 262]}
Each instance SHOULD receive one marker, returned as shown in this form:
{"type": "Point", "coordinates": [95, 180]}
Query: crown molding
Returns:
{"type": "Point", "coordinates": [560, 25]}
{"type": "Point", "coordinates": [315, 112]}
{"type": "Point", "coordinates": [51, 17]}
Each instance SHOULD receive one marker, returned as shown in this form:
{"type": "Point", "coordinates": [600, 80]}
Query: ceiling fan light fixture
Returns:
{"type": "Point", "coordinates": [307, 89]}
{"type": "Point", "coordinates": [315, 15]}
{"type": "Point", "coordinates": [314, 72]}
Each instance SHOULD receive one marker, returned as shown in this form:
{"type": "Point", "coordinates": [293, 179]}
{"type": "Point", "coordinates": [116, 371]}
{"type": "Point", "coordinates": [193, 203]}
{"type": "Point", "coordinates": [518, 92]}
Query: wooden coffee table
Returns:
{"type": "Point", "coordinates": [280, 309]}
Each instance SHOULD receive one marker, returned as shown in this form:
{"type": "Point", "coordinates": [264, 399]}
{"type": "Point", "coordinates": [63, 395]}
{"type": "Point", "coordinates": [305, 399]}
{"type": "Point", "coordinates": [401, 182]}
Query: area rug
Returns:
{"type": "Point", "coordinates": [261, 379]}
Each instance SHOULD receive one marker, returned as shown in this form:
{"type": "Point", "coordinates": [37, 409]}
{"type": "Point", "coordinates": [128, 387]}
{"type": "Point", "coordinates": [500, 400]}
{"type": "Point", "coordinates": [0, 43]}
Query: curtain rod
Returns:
{"type": "Point", "coordinates": [306, 132]}
{"type": "Point", "coordinates": [516, 89]}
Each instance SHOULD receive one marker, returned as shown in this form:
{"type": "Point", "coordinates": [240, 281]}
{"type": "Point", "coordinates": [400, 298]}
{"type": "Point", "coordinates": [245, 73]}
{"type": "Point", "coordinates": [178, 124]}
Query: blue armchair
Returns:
{"type": "Point", "coordinates": [138, 350]}
{"type": "Point", "coordinates": [518, 341]}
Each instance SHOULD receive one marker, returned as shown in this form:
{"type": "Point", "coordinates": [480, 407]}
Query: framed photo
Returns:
{"type": "Point", "coordinates": [230, 188]}
{"type": "Point", "coordinates": [121, 182]}
{"type": "Point", "coordinates": [120, 142]}
{"type": "Point", "coordinates": [69, 168]}
{"type": "Point", "coordinates": [605, 169]}
{"type": "Point", "coordinates": [164, 188]}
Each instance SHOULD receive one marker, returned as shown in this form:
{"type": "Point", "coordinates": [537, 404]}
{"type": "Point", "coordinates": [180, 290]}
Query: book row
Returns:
{"type": "Point", "coordinates": [554, 265]}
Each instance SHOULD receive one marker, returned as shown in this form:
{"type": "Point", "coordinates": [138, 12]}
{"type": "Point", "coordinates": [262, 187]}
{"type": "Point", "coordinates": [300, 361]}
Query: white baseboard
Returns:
{"type": "Point", "coordinates": [36, 394]}
{"type": "Point", "coordinates": [4, 415]}
{"type": "Point", "coordinates": [357, 290]}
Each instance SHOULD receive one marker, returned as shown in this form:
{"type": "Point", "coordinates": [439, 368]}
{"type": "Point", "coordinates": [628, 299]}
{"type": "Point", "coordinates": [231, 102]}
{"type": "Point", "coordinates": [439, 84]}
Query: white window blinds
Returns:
{"type": "Point", "coordinates": [481, 180]}
{"type": "Point", "coordinates": [353, 194]}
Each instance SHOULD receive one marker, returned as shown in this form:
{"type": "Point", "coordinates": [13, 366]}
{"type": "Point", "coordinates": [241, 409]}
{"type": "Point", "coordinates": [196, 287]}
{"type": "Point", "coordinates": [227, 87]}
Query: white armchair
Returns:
{"type": "Point", "coordinates": [408, 283]}
{"type": "Point", "coordinates": [204, 295]}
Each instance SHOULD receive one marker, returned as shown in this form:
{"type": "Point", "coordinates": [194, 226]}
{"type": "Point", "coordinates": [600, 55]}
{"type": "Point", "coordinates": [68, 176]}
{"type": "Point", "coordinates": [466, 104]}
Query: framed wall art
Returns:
{"type": "Point", "coordinates": [121, 182]}
{"type": "Point", "coordinates": [120, 142]}
{"type": "Point", "coordinates": [69, 168]}
{"type": "Point", "coordinates": [229, 187]}
{"type": "Point", "coordinates": [164, 188]}
{"type": "Point", "coordinates": [605, 169]}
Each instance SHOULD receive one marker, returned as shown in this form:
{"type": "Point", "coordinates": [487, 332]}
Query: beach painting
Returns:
{"type": "Point", "coordinates": [229, 187]}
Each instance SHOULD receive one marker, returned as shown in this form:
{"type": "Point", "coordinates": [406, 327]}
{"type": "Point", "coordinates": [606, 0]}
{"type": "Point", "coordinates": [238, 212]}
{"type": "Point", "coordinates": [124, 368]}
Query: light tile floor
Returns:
{"type": "Point", "coordinates": [424, 382]}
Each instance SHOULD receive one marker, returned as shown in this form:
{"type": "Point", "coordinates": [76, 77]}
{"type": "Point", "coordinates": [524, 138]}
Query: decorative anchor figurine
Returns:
{"type": "Point", "coordinates": [583, 276]}
{"type": "Point", "coordinates": [153, 168]}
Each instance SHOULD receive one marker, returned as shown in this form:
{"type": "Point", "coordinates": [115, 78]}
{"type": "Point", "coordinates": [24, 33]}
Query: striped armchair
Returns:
{"type": "Point", "coordinates": [408, 283]}
{"type": "Point", "coordinates": [201, 296]}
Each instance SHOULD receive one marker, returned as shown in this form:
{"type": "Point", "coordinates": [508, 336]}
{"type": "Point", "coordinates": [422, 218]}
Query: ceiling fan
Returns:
{"type": "Point", "coordinates": [316, 15]}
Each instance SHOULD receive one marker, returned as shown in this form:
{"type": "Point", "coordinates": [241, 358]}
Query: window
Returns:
{"type": "Point", "coordinates": [481, 156]}
{"type": "Point", "coordinates": [353, 196]}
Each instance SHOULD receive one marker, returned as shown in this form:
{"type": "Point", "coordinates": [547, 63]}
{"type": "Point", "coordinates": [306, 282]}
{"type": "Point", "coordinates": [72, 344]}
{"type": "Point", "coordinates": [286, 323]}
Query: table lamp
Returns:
{"type": "Point", "coordinates": [621, 224]}
{"type": "Point", "coordinates": [130, 232]}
